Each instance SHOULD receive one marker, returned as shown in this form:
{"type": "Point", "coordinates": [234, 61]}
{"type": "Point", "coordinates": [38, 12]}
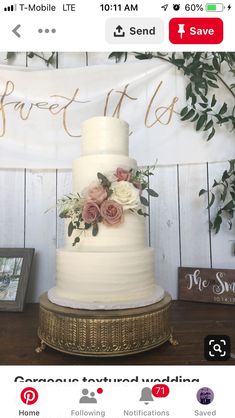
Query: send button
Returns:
{"type": "Point", "coordinates": [134, 31]}
{"type": "Point", "coordinates": [139, 31]}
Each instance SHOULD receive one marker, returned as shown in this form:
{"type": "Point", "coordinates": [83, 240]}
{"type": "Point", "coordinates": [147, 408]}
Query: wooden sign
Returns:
{"type": "Point", "coordinates": [207, 285]}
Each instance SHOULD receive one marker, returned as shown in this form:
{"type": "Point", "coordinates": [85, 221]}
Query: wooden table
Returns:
{"type": "Point", "coordinates": [191, 322]}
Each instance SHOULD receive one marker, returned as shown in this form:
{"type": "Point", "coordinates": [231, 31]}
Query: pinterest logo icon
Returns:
{"type": "Point", "coordinates": [29, 396]}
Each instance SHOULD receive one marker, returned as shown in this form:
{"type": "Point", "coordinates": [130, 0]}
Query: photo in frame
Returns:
{"type": "Point", "coordinates": [15, 267]}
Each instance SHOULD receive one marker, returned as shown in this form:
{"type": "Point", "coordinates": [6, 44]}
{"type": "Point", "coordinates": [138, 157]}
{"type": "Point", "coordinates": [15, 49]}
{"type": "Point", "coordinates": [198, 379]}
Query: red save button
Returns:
{"type": "Point", "coordinates": [196, 30]}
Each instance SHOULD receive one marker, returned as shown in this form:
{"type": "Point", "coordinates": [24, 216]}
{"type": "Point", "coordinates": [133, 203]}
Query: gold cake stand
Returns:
{"type": "Point", "coordinates": [104, 332]}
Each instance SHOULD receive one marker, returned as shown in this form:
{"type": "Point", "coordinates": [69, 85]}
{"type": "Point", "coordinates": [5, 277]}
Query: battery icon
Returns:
{"type": "Point", "coordinates": [215, 7]}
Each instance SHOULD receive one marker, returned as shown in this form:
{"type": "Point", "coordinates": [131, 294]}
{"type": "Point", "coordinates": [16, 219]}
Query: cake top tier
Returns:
{"type": "Point", "coordinates": [104, 135]}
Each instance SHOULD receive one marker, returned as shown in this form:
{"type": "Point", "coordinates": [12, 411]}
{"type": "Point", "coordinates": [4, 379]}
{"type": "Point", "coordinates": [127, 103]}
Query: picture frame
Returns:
{"type": "Point", "coordinates": [15, 268]}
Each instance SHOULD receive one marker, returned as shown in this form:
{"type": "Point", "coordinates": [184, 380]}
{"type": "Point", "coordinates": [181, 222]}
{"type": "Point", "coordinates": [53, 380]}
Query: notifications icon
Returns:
{"type": "Point", "coordinates": [146, 396]}
{"type": "Point", "coordinates": [29, 396]}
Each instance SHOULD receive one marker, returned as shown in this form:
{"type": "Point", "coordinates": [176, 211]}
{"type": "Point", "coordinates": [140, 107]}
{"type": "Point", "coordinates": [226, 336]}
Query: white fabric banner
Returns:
{"type": "Point", "coordinates": [41, 114]}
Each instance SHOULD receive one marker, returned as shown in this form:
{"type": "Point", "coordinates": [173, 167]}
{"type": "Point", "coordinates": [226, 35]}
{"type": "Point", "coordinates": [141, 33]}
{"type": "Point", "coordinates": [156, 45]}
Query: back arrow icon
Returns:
{"type": "Point", "coordinates": [15, 31]}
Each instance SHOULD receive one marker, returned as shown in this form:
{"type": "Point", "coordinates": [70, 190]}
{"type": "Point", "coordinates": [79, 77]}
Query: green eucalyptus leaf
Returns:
{"type": "Point", "coordinates": [211, 200]}
{"type": "Point", "coordinates": [231, 213]}
{"type": "Point", "coordinates": [195, 117]}
{"type": "Point", "coordinates": [63, 214]}
{"type": "Point", "coordinates": [105, 182]}
{"type": "Point", "coordinates": [211, 84]}
{"type": "Point", "coordinates": [143, 56]}
{"type": "Point", "coordinates": [184, 111]}
{"type": "Point", "coordinates": [193, 99]}
{"type": "Point", "coordinates": [188, 91]}
{"type": "Point", "coordinates": [229, 205]}
{"type": "Point", "coordinates": [224, 194]}
{"type": "Point", "coordinates": [233, 195]}
{"type": "Point", "coordinates": [202, 191]}
{"type": "Point", "coordinates": [71, 227]}
{"type": "Point", "coordinates": [208, 125]}
{"type": "Point", "coordinates": [204, 98]}
{"type": "Point", "coordinates": [188, 115]}
{"type": "Point", "coordinates": [216, 63]}
{"type": "Point", "coordinates": [217, 223]}
{"type": "Point", "coordinates": [230, 224]}
{"type": "Point", "coordinates": [203, 105]}
{"type": "Point", "coordinates": [225, 119]}
{"type": "Point", "coordinates": [144, 201]}
{"type": "Point", "coordinates": [152, 192]}
{"type": "Point", "coordinates": [213, 101]}
{"type": "Point", "coordinates": [211, 134]}
{"type": "Point", "coordinates": [225, 175]}
{"type": "Point", "coordinates": [77, 224]}
{"type": "Point", "coordinates": [95, 229]}
{"type": "Point", "coordinates": [118, 56]}
{"type": "Point", "coordinates": [140, 212]}
{"type": "Point", "coordinates": [223, 109]}
{"type": "Point", "coordinates": [201, 121]}
{"type": "Point", "coordinates": [219, 118]}
{"type": "Point", "coordinates": [112, 55]}
{"type": "Point", "coordinates": [212, 76]}
{"type": "Point", "coordinates": [76, 241]}
{"type": "Point", "coordinates": [215, 183]}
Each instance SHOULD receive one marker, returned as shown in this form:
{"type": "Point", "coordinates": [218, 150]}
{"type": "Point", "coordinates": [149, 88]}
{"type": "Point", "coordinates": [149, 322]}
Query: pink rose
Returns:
{"type": "Point", "coordinates": [91, 212]}
{"type": "Point", "coordinates": [122, 175]}
{"type": "Point", "coordinates": [96, 193]}
{"type": "Point", "coordinates": [111, 212]}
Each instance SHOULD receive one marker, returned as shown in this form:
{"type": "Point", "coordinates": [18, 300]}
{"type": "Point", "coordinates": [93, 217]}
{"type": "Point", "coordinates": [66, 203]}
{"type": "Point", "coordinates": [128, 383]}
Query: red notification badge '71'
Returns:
{"type": "Point", "coordinates": [196, 30]}
{"type": "Point", "coordinates": [160, 390]}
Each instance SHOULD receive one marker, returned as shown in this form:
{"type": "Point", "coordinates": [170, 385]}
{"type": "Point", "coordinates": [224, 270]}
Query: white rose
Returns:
{"type": "Point", "coordinates": [125, 194]}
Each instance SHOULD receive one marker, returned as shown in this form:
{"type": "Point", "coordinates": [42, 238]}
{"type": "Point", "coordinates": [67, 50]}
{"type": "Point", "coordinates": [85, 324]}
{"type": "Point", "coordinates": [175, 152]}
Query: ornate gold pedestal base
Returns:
{"type": "Point", "coordinates": [103, 333]}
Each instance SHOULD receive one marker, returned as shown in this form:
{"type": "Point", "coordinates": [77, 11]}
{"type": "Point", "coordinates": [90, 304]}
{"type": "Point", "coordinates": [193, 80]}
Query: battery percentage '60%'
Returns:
{"type": "Point", "coordinates": [194, 7]}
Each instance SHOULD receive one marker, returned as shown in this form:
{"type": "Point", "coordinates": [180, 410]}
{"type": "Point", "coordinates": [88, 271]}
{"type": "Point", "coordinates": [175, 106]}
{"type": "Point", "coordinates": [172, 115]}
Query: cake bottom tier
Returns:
{"type": "Point", "coordinates": [99, 280]}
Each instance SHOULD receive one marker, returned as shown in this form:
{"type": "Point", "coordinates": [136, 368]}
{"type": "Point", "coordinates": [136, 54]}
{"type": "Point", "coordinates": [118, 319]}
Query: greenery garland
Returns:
{"type": "Point", "coordinates": [222, 194]}
{"type": "Point", "coordinates": [51, 60]}
{"type": "Point", "coordinates": [204, 73]}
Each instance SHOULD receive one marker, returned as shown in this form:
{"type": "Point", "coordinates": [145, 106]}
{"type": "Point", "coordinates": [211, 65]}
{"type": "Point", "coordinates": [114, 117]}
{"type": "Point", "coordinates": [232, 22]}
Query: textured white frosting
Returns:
{"type": "Point", "coordinates": [104, 135]}
{"type": "Point", "coordinates": [129, 236]}
{"type": "Point", "coordinates": [106, 280]}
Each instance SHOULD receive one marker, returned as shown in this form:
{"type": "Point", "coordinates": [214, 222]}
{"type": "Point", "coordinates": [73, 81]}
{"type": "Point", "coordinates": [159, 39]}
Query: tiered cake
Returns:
{"type": "Point", "coordinates": [115, 268]}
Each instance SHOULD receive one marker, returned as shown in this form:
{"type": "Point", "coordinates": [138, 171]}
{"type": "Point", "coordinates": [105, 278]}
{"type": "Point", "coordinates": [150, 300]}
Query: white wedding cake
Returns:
{"type": "Point", "coordinates": [110, 267]}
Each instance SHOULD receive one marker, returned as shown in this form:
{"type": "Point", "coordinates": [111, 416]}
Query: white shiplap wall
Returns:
{"type": "Point", "coordinates": [178, 222]}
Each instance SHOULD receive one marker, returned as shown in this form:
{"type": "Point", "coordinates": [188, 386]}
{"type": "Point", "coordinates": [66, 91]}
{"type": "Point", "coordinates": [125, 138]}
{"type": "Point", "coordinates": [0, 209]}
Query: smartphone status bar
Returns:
{"type": "Point", "coordinates": [90, 26]}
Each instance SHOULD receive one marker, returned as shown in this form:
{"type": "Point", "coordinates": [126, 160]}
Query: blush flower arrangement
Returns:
{"type": "Point", "coordinates": [106, 200]}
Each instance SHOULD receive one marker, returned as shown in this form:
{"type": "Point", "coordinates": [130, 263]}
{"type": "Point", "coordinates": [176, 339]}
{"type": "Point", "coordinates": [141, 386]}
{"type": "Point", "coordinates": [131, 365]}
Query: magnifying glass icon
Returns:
{"type": "Point", "coordinates": [216, 347]}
